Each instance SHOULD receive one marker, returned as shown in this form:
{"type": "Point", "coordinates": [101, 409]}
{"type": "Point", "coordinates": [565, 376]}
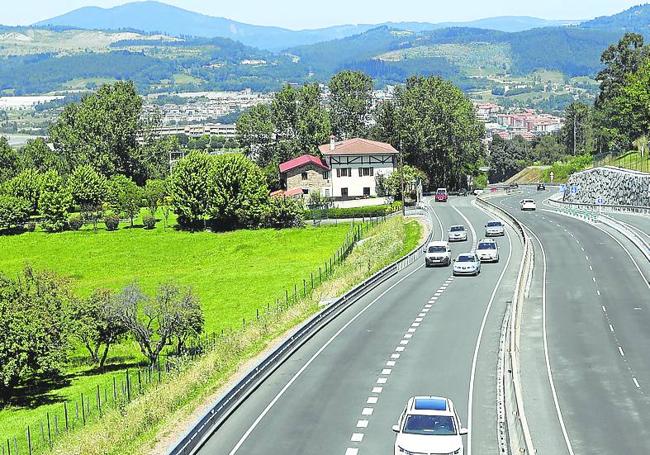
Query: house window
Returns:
{"type": "Point", "coordinates": [304, 176]}
{"type": "Point", "coordinates": [326, 175]}
{"type": "Point", "coordinates": [344, 172]}
{"type": "Point", "coordinates": [366, 172]}
{"type": "Point", "coordinates": [344, 192]}
{"type": "Point", "coordinates": [305, 191]}
{"type": "Point", "coordinates": [366, 191]}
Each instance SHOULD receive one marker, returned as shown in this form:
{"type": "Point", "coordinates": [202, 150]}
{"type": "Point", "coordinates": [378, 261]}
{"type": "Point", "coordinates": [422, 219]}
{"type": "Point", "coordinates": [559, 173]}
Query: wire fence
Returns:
{"type": "Point", "coordinates": [629, 160]}
{"type": "Point", "coordinates": [124, 387]}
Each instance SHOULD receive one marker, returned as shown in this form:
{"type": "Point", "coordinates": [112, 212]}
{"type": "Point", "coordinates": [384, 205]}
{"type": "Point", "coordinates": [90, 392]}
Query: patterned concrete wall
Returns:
{"type": "Point", "coordinates": [615, 187]}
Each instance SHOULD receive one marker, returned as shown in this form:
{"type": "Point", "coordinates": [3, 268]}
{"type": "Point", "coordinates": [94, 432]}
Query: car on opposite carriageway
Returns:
{"type": "Point", "coordinates": [429, 425]}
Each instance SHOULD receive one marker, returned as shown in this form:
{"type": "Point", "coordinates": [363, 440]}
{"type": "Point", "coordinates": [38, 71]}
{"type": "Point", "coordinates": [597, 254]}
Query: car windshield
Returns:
{"type": "Point", "coordinates": [457, 229]}
{"type": "Point", "coordinates": [465, 258]}
{"type": "Point", "coordinates": [494, 224]}
{"type": "Point", "coordinates": [486, 246]}
{"type": "Point", "coordinates": [429, 425]}
{"type": "Point", "coordinates": [437, 249]}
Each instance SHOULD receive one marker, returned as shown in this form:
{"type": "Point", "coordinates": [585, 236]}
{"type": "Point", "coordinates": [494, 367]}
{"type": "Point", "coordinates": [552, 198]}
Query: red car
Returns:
{"type": "Point", "coordinates": [441, 195]}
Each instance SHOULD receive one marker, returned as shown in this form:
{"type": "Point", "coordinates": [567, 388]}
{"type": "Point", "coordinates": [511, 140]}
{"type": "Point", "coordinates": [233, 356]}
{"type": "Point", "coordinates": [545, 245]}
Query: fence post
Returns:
{"type": "Point", "coordinates": [99, 402]}
{"type": "Point", "coordinates": [83, 410]}
{"type": "Point", "coordinates": [304, 287]}
{"type": "Point", "coordinates": [128, 387]}
{"type": "Point", "coordinates": [49, 431]}
{"type": "Point", "coordinates": [311, 274]}
{"type": "Point", "coordinates": [286, 297]}
{"type": "Point", "coordinates": [65, 415]}
{"type": "Point", "coordinates": [257, 313]}
{"type": "Point", "coordinates": [139, 382]}
{"type": "Point", "coordinates": [29, 442]}
{"type": "Point", "coordinates": [320, 275]}
{"type": "Point", "coordinates": [295, 293]}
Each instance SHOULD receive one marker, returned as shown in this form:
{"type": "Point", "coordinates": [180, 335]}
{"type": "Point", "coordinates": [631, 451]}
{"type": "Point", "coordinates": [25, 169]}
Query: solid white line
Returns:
{"type": "Point", "coordinates": [471, 227]}
{"type": "Point", "coordinates": [314, 357]}
{"type": "Point", "coordinates": [442, 229]}
{"type": "Point", "coordinates": [478, 344]}
{"type": "Point", "coordinates": [546, 354]}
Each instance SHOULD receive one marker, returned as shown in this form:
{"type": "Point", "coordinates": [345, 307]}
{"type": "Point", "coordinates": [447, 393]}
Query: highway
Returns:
{"type": "Point", "coordinates": [421, 332]}
{"type": "Point", "coordinates": [585, 337]}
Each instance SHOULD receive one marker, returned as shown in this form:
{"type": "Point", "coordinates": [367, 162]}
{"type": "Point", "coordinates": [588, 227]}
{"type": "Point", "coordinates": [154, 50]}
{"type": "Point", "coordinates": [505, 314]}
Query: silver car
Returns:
{"type": "Point", "coordinates": [457, 234]}
{"type": "Point", "coordinates": [494, 228]}
{"type": "Point", "coordinates": [467, 264]}
{"type": "Point", "coordinates": [488, 250]}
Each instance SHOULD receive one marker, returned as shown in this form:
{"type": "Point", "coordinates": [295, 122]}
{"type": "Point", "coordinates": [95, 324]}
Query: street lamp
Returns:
{"type": "Point", "coordinates": [401, 177]}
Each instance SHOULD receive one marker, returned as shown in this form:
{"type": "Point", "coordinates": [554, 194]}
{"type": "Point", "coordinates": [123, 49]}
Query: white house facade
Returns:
{"type": "Point", "coordinates": [355, 164]}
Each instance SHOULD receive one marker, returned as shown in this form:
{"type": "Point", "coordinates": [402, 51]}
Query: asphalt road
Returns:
{"type": "Point", "coordinates": [422, 332]}
{"type": "Point", "coordinates": [585, 338]}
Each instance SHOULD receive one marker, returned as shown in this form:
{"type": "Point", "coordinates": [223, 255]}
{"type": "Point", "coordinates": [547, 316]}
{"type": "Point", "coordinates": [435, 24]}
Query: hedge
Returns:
{"type": "Point", "coordinates": [354, 212]}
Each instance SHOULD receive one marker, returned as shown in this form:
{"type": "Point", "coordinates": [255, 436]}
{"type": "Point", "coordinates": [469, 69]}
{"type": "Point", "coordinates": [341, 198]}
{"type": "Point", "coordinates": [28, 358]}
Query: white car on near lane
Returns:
{"type": "Point", "coordinates": [429, 425]}
{"type": "Point", "coordinates": [438, 253]}
{"type": "Point", "coordinates": [457, 234]}
{"type": "Point", "coordinates": [494, 228]}
{"type": "Point", "coordinates": [467, 264]}
{"type": "Point", "coordinates": [528, 204]}
{"type": "Point", "coordinates": [488, 250]}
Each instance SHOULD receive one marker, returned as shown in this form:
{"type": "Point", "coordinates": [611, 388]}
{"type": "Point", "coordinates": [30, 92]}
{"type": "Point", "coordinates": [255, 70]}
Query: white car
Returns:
{"type": "Point", "coordinates": [437, 253]}
{"type": "Point", "coordinates": [457, 234]}
{"type": "Point", "coordinates": [494, 228]}
{"type": "Point", "coordinates": [528, 204]}
{"type": "Point", "coordinates": [429, 425]}
{"type": "Point", "coordinates": [488, 250]}
{"type": "Point", "coordinates": [467, 264]}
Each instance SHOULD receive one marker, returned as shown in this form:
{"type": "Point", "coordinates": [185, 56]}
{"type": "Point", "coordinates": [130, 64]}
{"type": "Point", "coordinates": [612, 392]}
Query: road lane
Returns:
{"type": "Point", "coordinates": [598, 311]}
{"type": "Point", "coordinates": [325, 409]}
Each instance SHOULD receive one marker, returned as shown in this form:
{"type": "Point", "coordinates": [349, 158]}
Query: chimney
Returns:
{"type": "Point", "coordinates": [332, 143]}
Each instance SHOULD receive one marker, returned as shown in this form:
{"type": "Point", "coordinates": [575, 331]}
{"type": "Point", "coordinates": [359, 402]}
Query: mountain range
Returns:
{"type": "Point", "coordinates": [156, 17]}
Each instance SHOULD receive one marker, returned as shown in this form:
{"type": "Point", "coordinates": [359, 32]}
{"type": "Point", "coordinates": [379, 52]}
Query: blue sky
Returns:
{"type": "Point", "coordinates": [297, 14]}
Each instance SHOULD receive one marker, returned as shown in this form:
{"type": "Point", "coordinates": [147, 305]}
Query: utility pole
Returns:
{"type": "Point", "coordinates": [401, 177]}
{"type": "Point", "coordinates": [575, 132]}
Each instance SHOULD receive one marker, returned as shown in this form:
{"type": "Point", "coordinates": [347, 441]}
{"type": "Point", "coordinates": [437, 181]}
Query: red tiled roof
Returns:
{"type": "Point", "coordinates": [302, 161]}
{"type": "Point", "coordinates": [289, 193]}
{"type": "Point", "coordinates": [358, 147]}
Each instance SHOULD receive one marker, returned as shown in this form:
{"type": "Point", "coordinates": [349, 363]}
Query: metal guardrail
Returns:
{"type": "Point", "coordinates": [233, 398]}
{"type": "Point", "coordinates": [604, 207]}
{"type": "Point", "coordinates": [514, 434]}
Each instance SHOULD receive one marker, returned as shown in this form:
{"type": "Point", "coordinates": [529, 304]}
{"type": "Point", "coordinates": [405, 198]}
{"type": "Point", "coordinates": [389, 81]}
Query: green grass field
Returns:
{"type": "Point", "coordinates": [233, 273]}
{"type": "Point", "coordinates": [631, 160]}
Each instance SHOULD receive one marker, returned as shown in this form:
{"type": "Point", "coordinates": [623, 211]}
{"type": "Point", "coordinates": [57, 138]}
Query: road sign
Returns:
{"type": "Point", "coordinates": [574, 189]}
{"type": "Point", "coordinates": [563, 188]}
{"type": "Point", "coordinates": [600, 200]}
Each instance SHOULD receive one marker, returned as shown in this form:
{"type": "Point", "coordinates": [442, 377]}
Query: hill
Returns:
{"type": "Point", "coordinates": [635, 19]}
{"type": "Point", "coordinates": [152, 16]}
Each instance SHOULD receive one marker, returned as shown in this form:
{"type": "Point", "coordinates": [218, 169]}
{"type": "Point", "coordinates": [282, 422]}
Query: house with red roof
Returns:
{"type": "Point", "coordinates": [348, 169]}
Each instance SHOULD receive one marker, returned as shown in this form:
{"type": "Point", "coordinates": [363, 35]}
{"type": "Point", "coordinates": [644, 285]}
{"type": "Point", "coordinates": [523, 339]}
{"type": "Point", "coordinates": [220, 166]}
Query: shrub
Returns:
{"type": "Point", "coordinates": [112, 221]}
{"type": "Point", "coordinates": [189, 189]}
{"type": "Point", "coordinates": [283, 212]}
{"type": "Point", "coordinates": [14, 211]}
{"type": "Point", "coordinates": [75, 222]}
{"type": "Point", "coordinates": [124, 196]}
{"type": "Point", "coordinates": [360, 212]}
{"type": "Point", "coordinates": [26, 185]}
{"type": "Point", "coordinates": [149, 221]}
{"type": "Point", "coordinates": [30, 226]}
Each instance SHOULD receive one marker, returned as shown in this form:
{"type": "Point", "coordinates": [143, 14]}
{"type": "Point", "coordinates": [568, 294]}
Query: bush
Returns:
{"type": "Point", "coordinates": [283, 212]}
{"type": "Point", "coordinates": [188, 189]}
{"type": "Point", "coordinates": [360, 212]}
{"type": "Point", "coordinates": [149, 221]}
{"type": "Point", "coordinates": [562, 170]}
{"type": "Point", "coordinates": [30, 226]}
{"type": "Point", "coordinates": [75, 222]}
{"type": "Point", "coordinates": [112, 221]}
{"type": "Point", "coordinates": [14, 211]}
{"type": "Point", "coordinates": [54, 202]}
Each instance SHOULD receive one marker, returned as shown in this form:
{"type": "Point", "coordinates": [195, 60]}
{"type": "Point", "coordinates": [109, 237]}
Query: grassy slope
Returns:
{"type": "Point", "coordinates": [233, 273]}
{"type": "Point", "coordinates": [161, 414]}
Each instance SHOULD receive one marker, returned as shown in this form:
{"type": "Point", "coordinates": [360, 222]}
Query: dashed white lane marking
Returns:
{"type": "Point", "coordinates": [620, 349]}
{"type": "Point", "coordinates": [382, 380]}
{"type": "Point", "coordinates": [394, 356]}
{"type": "Point", "coordinates": [362, 424]}
{"type": "Point", "coordinates": [408, 335]}
{"type": "Point", "coordinates": [593, 278]}
{"type": "Point", "coordinates": [591, 268]}
{"type": "Point", "coordinates": [367, 411]}
{"type": "Point", "coordinates": [415, 324]}
{"type": "Point", "coordinates": [372, 400]}
{"type": "Point", "coordinates": [351, 451]}
{"type": "Point", "coordinates": [399, 349]}
{"type": "Point", "coordinates": [611, 328]}
{"type": "Point", "coordinates": [404, 342]}
{"type": "Point", "coordinates": [357, 437]}
{"type": "Point", "coordinates": [604, 309]}
{"type": "Point", "coordinates": [598, 291]}
{"type": "Point", "coordinates": [386, 371]}
{"type": "Point", "coordinates": [411, 330]}
{"type": "Point", "coordinates": [390, 363]}
{"type": "Point", "coordinates": [636, 383]}
{"type": "Point", "coordinates": [377, 389]}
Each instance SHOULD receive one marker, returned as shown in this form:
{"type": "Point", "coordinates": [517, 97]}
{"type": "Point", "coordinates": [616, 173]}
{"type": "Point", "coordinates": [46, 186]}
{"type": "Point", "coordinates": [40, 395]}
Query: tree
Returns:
{"type": "Point", "coordinates": [438, 129]}
{"type": "Point", "coordinates": [101, 131]}
{"type": "Point", "coordinates": [237, 192]}
{"type": "Point", "coordinates": [385, 129]}
{"type": "Point", "coordinates": [36, 154]}
{"type": "Point", "coordinates": [631, 111]}
{"type": "Point", "coordinates": [350, 103]}
{"type": "Point", "coordinates": [391, 185]}
{"type": "Point", "coordinates": [8, 160]}
{"type": "Point", "coordinates": [88, 190]}
{"type": "Point", "coordinates": [578, 132]}
{"type": "Point", "coordinates": [54, 202]}
{"type": "Point", "coordinates": [508, 157]}
{"type": "Point", "coordinates": [154, 323]}
{"type": "Point", "coordinates": [124, 196]}
{"type": "Point", "coordinates": [620, 60]}
{"type": "Point", "coordinates": [255, 133]}
{"type": "Point", "coordinates": [188, 189]}
{"type": "Point", "coordinates": [154, 157]}
{"type": "Point", "coordinates": [14, 212]}
{"type": "Point", "coordinates": [27, 186]}
{"type": "Point", "coordinates": [154, 194]}
{"type": "Point", "coordinates": [97, 324]}
{"type": "Point", "coordinates": [313, 123]}
{"type": "Point", "coordinates": [34, 309]}
{"type": "Point", "coordinates": [549, 149]}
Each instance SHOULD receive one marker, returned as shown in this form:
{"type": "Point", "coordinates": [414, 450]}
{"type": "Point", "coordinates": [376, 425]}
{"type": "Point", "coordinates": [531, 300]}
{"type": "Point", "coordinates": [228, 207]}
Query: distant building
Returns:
{"type": "Point", "coordinates": [348, 169]}
{"type": "Point", "coordinates": [218, 129]}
